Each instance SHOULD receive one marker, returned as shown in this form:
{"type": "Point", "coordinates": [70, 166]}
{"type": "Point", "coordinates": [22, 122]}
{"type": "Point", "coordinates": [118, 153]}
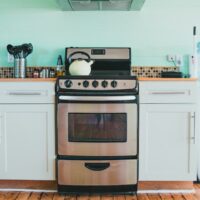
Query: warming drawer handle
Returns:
{"type": "Point", "coordinates": [25, 93]}
{"type": "Point", "coordinates": [97, 166]}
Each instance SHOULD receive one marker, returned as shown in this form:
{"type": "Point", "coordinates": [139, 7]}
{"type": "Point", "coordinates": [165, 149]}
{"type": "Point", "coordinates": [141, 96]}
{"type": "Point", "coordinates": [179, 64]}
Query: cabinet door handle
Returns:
{"type": "Point", "coordinates": [161, 93]}
{"type": "Point", "coordinates": [24, 93]}
{"type": "Point", "coordinates": [192, 128]}
{"type": "Point", "coordinates": [1, 128]}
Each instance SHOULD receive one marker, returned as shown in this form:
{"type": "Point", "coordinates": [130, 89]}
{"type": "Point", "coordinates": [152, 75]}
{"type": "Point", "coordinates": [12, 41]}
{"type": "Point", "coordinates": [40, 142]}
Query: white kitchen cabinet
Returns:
{"type": "Point", "coordinates": [167, 140]}
{"type": "Point", "coordinates": [27, 137]}
{"type": "Point", "coordinates": [1, 142]}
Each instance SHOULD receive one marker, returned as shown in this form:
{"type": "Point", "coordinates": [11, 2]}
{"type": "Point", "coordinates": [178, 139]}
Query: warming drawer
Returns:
{"type": "Point", "coordinates": [97, 172]}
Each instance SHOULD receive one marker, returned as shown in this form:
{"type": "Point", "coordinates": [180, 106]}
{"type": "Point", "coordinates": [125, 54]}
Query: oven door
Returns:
{"type": "Point", "coordinates": [97, 126]}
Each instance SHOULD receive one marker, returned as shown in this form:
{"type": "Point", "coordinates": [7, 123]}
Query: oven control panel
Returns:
{"type": "Point", "coordinates": [97, 84]}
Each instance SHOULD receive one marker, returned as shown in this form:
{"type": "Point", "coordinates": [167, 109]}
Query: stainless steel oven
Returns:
{"type": "Point", "coordinates": [97, 135]}
{"type": "Point", "coordinates": [106, 126]}
{"type": "Point", "coordinates": [97, 125]}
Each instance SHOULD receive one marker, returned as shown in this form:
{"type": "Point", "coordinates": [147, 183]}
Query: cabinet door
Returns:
{"type": "Point", "coordinates": [2, 144]}
{"type": "Point", "coordinates": [167, 142]}
{"type": "Point", "coordinates": [28, 142]}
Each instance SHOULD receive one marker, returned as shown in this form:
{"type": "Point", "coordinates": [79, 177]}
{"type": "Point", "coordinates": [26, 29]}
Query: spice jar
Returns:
{"type": "Point", "coordinates": [52, 73]}
{"type": "Point", "coordinates": [36, 73]}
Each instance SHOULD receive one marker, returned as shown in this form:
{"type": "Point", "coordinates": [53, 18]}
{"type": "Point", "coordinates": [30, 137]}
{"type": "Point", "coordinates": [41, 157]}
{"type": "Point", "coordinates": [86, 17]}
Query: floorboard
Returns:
{"type": "Point", "coordinates": [166, 196]}
{"type": "Point", "coordinates": [178, 197]}
{"type": "Point", "coordinates": [47, 196]}
{"type": "Point", "coordinates": [153, 197]}
{"type": "Point", "coordinates": [35, 196]}
{"type": "Point", "coordinates": [95, 197]}
{"type": "Point", "coordinates": [142, 197]}
{"type": "Point", "coordinates": [190, 196]}
{"type": "Point", "coordinates": [23, 196]}
{"type": "Point", "coordinates": [130, 197]}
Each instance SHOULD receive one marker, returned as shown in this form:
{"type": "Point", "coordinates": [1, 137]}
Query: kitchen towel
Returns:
{"type": "Point", "coordinates": [194, 59]}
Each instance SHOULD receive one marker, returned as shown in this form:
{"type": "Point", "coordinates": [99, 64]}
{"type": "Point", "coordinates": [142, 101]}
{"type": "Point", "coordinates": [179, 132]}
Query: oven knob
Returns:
{"type": "Point", "coordinates": [68, 83]}
{"type": "Point", "coordinates": [95, 84]}
{"type": "Point", "coordinates": [85, 84]}
{"type": "Point", "coordinates": [114, 84]}
{"type": "Point", "coordinates": [104, 84]}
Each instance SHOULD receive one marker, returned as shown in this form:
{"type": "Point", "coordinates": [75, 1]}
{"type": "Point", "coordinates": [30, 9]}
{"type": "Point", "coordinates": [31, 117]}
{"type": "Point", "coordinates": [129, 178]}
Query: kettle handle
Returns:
{"type": "Point", "coordinates": [78, 52]}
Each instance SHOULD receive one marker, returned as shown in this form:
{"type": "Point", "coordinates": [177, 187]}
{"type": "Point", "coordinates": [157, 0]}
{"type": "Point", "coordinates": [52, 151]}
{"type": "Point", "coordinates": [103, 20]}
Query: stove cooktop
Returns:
{"type": "Point", "coordinates": [97, 83]}
{"type": "Point", "coordinates": [106, 61]}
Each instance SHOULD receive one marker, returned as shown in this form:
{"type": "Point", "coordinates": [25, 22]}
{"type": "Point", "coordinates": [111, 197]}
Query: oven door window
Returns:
{"type": "Point", "coordinates": [101, 127]}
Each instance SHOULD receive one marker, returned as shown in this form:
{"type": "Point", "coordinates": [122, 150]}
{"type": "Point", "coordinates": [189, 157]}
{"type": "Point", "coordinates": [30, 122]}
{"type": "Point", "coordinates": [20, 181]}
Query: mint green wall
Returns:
{"type": "Point", "coordinates": [161, 28]}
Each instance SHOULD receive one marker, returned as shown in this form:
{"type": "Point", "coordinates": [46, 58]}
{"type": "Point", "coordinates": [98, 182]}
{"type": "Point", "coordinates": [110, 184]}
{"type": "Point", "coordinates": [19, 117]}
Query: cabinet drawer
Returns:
{"type": "Point", "coordinates": [27, 92]}
{"type": "Point", "coordinates": [91, 172]}
{"type": "Point", "coordinates": [168, 92]}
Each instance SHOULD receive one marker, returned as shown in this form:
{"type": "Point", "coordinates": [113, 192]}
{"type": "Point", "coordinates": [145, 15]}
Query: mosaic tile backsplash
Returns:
{"type": "Point", "coordinates": [154, 71]}
{"type": "Point", "coordinates": [8, 72]}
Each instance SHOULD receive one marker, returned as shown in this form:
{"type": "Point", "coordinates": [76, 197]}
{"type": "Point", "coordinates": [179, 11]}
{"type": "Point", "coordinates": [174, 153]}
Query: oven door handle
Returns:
{"type": "Point", "coordinates": [97, 166]}
{"type": "Point", "coordinates": [97, 98]}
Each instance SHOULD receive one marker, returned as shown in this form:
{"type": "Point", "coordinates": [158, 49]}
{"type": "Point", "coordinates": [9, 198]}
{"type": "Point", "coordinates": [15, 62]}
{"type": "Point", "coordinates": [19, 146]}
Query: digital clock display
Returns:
{"type": "Point", "coordinates": [98, 52]}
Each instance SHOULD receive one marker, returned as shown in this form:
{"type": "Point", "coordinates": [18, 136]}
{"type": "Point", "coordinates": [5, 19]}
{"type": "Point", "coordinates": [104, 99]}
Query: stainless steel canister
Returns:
{"type": "Point", "coordinates": [20, 67]}
{"type": "Point", "coordinates": [44, 73]}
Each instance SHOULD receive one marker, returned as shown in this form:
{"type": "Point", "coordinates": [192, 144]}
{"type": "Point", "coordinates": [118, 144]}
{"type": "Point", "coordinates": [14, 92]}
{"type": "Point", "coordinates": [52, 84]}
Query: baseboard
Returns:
{"type": "Point", "coordinates": [138, 192]}
{"type": "Point", "coordinates": [28, 184]}
{"type": "Point", "coordinates": [52, 185]}
{"type": "Point", "coordinates": [25, 190]}
{"type": "Point", "coordinates": [165, 185]}
{"type": "Point", "coordinates": [166, 191]}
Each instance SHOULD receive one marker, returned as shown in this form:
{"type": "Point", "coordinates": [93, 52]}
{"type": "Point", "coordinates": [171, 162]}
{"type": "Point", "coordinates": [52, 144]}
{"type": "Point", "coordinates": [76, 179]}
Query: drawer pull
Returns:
{"type": "Point", "coordinates": [97, 166]}
{"type": "Point", "coordinates": [24, 93]}
{"type": "Point", "coordinates": [167, 92]}
{"type": "Point", "coordinates": [1, 128]}
{"type": "Point", "coordinates": [192, 128]}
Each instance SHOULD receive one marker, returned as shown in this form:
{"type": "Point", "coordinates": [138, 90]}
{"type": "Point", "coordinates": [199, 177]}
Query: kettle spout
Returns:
{"type": "Point", "coordinates": [91, 62]}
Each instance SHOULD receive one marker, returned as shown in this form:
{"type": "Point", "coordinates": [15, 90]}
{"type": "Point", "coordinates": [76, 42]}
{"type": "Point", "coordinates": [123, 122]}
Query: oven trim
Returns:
{"type": "Point", "coordinates": [101, 99]}
{"type": "Point", "coordinates": [97, 98]}
{"type": "Point", "coordinates": [72, 157]}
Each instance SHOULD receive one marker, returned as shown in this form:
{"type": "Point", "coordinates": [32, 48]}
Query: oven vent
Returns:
{"type": "Point", "coordinates": [100, 5]}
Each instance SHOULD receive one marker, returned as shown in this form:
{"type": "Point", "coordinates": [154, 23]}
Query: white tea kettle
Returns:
{"type": "Point", "coordinates": [80, 66]}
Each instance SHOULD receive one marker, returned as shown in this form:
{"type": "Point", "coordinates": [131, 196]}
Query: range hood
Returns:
{"type": "Point", "coordinates": [100, 5]}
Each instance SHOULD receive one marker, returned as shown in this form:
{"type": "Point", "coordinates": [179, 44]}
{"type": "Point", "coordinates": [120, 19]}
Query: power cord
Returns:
{"type": "Point", "coordinates": [184, 75]}
{"type": "Point", "coordinates": [174, 62]}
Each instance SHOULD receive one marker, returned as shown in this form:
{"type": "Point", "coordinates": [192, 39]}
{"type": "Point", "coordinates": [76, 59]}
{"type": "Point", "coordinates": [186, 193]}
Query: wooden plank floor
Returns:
{"type": "Point", "coordinates": [56, 196]}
